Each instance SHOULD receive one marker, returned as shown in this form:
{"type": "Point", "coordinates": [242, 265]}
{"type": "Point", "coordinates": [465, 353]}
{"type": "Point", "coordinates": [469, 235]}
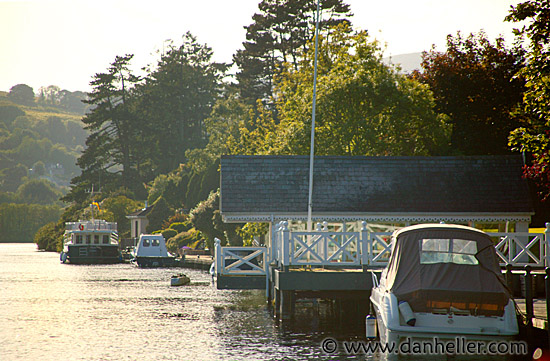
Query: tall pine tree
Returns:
{"type": "Point", "coordinates": [280, 30]}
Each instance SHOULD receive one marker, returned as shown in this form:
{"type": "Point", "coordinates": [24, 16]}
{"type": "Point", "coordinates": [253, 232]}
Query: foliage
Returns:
{"type": "Point", "coordinates": [21, 94]}
{"type": "Point", "coordinates": [175, 98]}
{"type": "Point", "coordinates": [364, 107]}
{"type": "Point", "coordinates": [110, 144]}
{"type": "Point", "coordinates": [473, 82]}
{"type": "Point", "coordinates": [187, 238]}
{"type": "Point", "coordinates": [159, 213]}
{"type": "Point", "coordinates": [37, 191]}
{"type": "Point", "coordinates": [533, 136]}
{"type": "Point", "coordinates": [168, 233]}
{"type": "Point", "coordinates": [251, 231]}
{"type": "Point", "coordinates": [19, 222]}
{"type": "Point", "coordinates": [176, 218]}
{"type": "Point", "coordinates": [46, 238]}
{"type": "Point", "coordinates": [280, 30]}
{"type": "Point", "coordinates": [207, 219]}
{"type": "Point", "coordinates": [181, 226]}
{"type": "Point", "coordinates": [115, 209]}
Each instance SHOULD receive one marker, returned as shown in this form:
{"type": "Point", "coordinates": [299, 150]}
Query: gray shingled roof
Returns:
{"type": "Point", "coordinates": [140, 212]}
{"type": "Point", "coordinates": [279, 184]}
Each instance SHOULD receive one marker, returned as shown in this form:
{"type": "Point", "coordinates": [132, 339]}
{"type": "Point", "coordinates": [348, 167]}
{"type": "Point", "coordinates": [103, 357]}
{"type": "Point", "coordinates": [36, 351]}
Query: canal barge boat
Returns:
{"type": "Point", "coordinates": [151, 251]}
{"type": "Point", "coordinates": [90, 242]}
{"type": "Point", "coordinates": [443, 281]}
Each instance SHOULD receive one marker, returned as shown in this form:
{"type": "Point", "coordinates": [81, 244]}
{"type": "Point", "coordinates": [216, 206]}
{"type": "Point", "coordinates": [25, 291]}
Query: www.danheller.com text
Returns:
{"type": "Point", "coordinates": [434, 346]}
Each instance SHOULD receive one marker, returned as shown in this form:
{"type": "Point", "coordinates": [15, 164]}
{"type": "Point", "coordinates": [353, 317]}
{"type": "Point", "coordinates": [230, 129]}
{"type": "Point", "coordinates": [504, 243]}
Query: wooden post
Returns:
{"type": "Point", "coordinates": [285, 301]}
{"type": "Point", "coordinates": [509, 279]}
{"type": "Point", "coordinates": [529, 296]}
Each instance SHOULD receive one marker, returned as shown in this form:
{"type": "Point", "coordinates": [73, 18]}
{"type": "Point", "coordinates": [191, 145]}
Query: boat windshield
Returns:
{"type": "Point", "coordinates": [446, 250]}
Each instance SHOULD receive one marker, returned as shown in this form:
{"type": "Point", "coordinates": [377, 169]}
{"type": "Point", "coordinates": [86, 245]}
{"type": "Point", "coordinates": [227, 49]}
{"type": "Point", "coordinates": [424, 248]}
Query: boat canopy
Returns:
{"type": "Point", "coordinates": [436, 266]}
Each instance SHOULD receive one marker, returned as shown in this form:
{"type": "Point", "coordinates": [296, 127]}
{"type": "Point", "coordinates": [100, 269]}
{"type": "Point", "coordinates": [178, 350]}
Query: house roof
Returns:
{"type": "Point", "coordinates": [141, 213]}
{"type": "Point", "coordinates": [475, 188]}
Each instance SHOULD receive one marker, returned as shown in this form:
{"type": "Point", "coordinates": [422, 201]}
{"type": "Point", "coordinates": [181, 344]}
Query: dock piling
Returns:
{"type": "Point", "coordinates": [529, 296]}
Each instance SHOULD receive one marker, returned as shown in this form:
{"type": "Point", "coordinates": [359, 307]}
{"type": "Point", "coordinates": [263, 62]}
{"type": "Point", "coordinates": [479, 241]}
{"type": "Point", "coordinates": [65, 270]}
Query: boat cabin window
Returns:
{"type": "Point", "coordinates": [96, 238]}
{"type": "Point", "coordinates": [155, 242]}
{"type": "Point", "coordinates": [88, 238]}
{"type": "Point", "coordinates": [105, 239]}
{"type": "Point", "coordinates": [459, 251]}
{"type": "Point", "coordinates": [78, 238]}
{"type": "Point", "coordinates": [145, 242]}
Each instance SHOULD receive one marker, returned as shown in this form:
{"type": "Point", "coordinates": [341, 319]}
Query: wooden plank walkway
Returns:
{"type": "Point", "coordinates": [539, 309]}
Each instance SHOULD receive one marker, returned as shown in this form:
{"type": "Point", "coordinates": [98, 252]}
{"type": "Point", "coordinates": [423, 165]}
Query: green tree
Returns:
{"type": "Point", "coordinates": [115, 209]}
{"type": "Point", "coordinates": [533, 136]}
{"type": "Point", "coordinates": [159, 213]}
{"type": "Point", "coordinates": [474, 82]}
{"type": "Point", "coordinates": [364, 107]}
{"type": "Point", "coordinates": [46, 237]}
{"type": "Point", "coordinates": [10, 178]}
{"type": "Point", "coordinates": [111, 141]}
{"type": "Point", "coordinates": [37, 191]}
{"type": "Point", "coordinates": [176, 97]}
{"type": "Point", "coordinates": [206, 218]}
{"type": "Point", "coordinates": [8, 114]}
{"type": "Point", "coordinates": [21, 94]}
{"type": "Point", "coordinates": [19, 222]}
{"type": "Point", "coordinates": [278, 34]}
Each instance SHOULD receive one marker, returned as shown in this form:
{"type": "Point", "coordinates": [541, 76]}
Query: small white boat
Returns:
{"type": "Point", "coordinates": [151, 252]}
{"type": "Point", "coordinates": [179, 280]}
{"type": "Point", "coordinates": [443, 281]}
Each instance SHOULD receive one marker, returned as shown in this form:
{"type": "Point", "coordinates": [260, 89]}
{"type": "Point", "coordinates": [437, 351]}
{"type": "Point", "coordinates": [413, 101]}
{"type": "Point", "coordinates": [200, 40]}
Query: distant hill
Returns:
{"type": "Point", "coordinates": [408, 62]}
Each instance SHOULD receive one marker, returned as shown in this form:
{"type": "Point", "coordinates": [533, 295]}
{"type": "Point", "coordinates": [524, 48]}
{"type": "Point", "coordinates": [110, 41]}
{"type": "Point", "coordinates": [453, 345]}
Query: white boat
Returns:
{"type": "Point", "coordinates": [90, 242]}
{"type": "Point", "coordinates": [443, 281]}
{"type": "Point", "coordinates": [151, 251]}
{"type": "Point", "coordinates": [179, 280]}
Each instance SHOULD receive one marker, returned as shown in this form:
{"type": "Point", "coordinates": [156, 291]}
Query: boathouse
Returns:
{"type": "Point", "coordinates": [356, 204]}
{"type": "Point", "coordinates": [391, 190]}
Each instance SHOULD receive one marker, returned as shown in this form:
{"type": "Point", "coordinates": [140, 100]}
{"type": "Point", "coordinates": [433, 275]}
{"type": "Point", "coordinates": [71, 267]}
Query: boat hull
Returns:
{"type": "Point", "coordinates": [91, 254]}
{"type": "Point", "coordinates": [162, 262]}
{"type": "Point", "coordinates": [392, 328]}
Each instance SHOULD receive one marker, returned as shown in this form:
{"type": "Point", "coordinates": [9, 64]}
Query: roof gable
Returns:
{"type": "Point", "coordinates": [357, 185]}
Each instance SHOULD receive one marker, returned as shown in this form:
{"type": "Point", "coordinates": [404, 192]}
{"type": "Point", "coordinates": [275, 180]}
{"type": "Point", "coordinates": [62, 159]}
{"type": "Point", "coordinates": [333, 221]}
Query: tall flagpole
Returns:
{"type": "Point", "coordinates": [312, 143]}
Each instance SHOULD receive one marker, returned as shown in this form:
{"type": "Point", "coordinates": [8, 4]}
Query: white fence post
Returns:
{"type": "Point", "coordinates": [218, 252]}
{"type": "Point", "coordinates": [365, 247]}
{"type": "Point", "coordinates": [285, 246]}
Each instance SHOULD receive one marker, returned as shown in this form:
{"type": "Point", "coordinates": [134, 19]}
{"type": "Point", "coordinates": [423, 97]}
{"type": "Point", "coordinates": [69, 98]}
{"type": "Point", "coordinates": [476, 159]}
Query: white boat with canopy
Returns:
{"type": "Point", "coordinates": [443, 281]}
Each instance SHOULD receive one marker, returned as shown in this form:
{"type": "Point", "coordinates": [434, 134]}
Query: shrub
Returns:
{"type": "Point", "coordinates": [168, 233]}
{"type": "Point", "coordinates": [183, 239]}
{"type": "Point", "coordinates": [181, 226]}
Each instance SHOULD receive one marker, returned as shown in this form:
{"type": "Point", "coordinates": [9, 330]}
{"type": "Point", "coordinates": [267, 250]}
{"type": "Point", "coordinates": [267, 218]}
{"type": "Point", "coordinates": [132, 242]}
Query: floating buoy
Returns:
{"type": "Point", "coordinates": [370, 326]}
{"type": "Point", "coordinates": [81, 227]}
{"type": "Point", "coordinates": [407, 313]}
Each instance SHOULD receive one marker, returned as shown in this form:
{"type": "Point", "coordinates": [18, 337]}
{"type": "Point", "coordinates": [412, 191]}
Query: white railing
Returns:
{"type": "Point", "coordinates": [521, 249]}
{"type": "Point", "coordinates": [244, 261]}
{"type": "Point", "coordinates": [373, 249]}
{"type": "Point", "coordinates": [325, 248]}
{"type": "Point", "coordinates": [364, 248]}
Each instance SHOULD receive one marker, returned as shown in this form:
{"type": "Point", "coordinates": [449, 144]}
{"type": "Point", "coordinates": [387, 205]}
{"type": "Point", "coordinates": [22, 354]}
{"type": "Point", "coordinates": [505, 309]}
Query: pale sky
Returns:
{"type": "Point", "coordinates": [65, 43]}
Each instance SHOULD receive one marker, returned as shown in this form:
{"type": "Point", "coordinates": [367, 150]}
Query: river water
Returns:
{"type": "Point", "coordinates": [53, 311]}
